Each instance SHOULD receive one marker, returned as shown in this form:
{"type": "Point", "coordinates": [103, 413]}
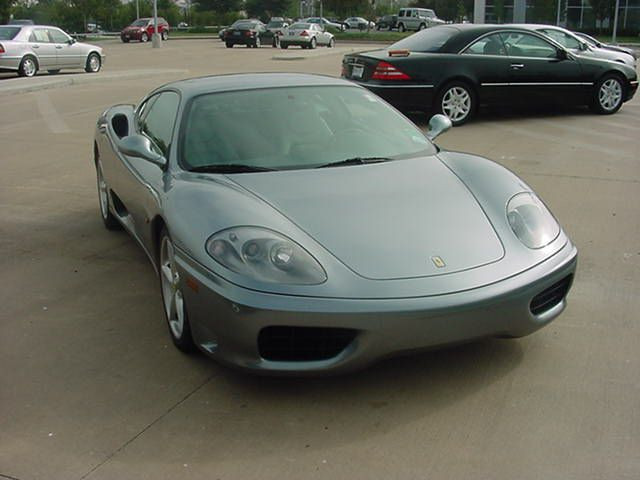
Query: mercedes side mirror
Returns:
{"type": "Point", "coordinates": [71, 41]}
{"type": "Point", "coordinates": [562, 54]}
{"type": "Point", "coordinates": [139, 146]}
{"type": "Point", "coordinates": [438, 125]}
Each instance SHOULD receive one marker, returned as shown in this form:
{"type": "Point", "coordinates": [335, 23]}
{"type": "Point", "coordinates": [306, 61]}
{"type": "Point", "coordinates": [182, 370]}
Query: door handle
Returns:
{"type": "Point", "coordinates": [517, 66]}
{"type": "Point", "coordinates": [35, 46]}
{"type": "Point", "coordinates": [59, 47]}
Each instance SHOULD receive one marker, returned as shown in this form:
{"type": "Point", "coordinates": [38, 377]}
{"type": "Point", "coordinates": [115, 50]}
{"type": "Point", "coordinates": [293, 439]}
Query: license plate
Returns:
{"type": "Point", "coordinates": [357, 71]}
{"type": "Point", "coordinates": [237, 34]}
{"type": "Point", "coordinates": [292, 34]}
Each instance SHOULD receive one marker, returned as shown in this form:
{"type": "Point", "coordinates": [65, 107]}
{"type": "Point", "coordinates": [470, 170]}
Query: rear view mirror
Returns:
{"type": "Point", "coordinates": [437, 125]}
{"type": "Point", "coordinates": [139, 146]}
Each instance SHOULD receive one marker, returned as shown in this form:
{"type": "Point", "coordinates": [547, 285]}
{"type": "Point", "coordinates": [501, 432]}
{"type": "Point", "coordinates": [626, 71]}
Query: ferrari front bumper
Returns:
{"type": "Point", "coordinates": [227, 320]}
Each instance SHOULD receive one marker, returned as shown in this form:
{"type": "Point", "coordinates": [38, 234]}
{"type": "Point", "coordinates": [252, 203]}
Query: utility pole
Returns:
{"type": "Point", "coordinates": [615, 22]}
{"type": "Point", "coordinates": [558, 14]}
{"type": "Point", "coordinates": [137, 10]}
{"type": "Point", "coordinates": [156, 40]}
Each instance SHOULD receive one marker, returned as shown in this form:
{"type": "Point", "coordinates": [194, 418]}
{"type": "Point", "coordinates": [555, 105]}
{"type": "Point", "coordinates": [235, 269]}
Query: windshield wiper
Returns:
{"type": "Point", "coordinates": [230, 168]}
{"type": "Point", "coordinates": [355, 161]}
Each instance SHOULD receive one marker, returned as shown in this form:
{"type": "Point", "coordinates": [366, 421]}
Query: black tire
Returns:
{"type": "Point", "coordinates": [184, 341]}
{"type": "Point", "coordinates": [402, 28]}
{"type": "Point", "coordinates": [109, 220]}
{"type": "Point", "coordinates": [53, 72]}
{"type": "Point", "coordinates": [601, 102]}
{"type": "Point", "coordinates": [422, 26]}
{"type": "Point", "coordinates": [93, 64]}
{"type": "Point", "coordinates": [229, 45]}
{"type": "Point", "coordinates": [165, 35]}
{"type": "Point", "coordinates": [453, 89]}
{"type": "Point", "coordinates": [144, 38]}
{"type": "Point", "coordinates": [28, 67]}
{"type": "Point", "coordinates": [332, 43]}
{"type": "Point", "coordinates": [257, 43]}
{"type": "Point", "coordinates": [390, 28]}
{"type": "Point", "coordinates": [124, 40]}
{"type": "Point", "coordinates": [276, 41]}
{"type": "Point", "coordinates": [378, 27]}
{"type": "Point", "coordinates": [313, 44]}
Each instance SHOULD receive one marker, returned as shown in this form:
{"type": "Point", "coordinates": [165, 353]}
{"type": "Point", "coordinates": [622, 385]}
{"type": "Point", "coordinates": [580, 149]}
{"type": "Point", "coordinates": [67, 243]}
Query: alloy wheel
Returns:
{"type": "Point", "coordinates": [456, 104]}
{"type": "Point", "coordinates": [103, 195]}
{"type": "Point", "coordinates": [29, 67]}
{"type": "Point", "coordinates": [610, 94]}
{"type": "Point", "coordinates": [171, 292]}
{"type": "Point", "coordinates": [94, 63]}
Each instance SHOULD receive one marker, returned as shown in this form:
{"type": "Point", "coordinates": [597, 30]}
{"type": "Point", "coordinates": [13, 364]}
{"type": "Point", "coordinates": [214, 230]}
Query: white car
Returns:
{"type": "Point", "coordinates": [417, 19]}
{"type": "Point", "coordinates": [26, 49]}
{"type": "Point", "coordinates": [359, 23]}
{"type": "Point", "coordinates": [307, 35]}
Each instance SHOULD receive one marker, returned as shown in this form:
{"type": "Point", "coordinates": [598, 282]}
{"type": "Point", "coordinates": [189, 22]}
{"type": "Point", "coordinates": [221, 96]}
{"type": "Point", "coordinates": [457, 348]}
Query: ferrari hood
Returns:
{"type": "Point", "coordinates": [398, 219]}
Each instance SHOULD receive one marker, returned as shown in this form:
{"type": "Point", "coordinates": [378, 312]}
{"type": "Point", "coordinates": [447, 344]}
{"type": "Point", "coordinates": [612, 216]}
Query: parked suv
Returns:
{"type": "Point", "coordinates": [142, 29]}
{"type": "Point", "coordinates": [417, 19]}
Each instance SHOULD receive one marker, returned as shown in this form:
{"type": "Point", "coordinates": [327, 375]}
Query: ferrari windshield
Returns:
{"type": "Point", "coordinates": [296, 127]}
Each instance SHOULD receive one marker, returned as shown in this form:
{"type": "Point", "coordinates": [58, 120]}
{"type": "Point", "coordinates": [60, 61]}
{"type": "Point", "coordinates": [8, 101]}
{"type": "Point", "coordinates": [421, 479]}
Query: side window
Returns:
{"type": "Point", "coordinates": [414, 13]}
{"type": "Point", "coordinates": [527, 45]}
{"type": "Point", "coordinates": [57, 36]}
{"type": "Point", "coordinates": [159, 119]}
{"type": "Point", "coordinates": [562, 38]}
{"type": "Point", "coordinates": [39, 35]}
{"type": "Point", "coordinates": [489, 45]}
{"type": "Point", "coordinates": [401, 14]}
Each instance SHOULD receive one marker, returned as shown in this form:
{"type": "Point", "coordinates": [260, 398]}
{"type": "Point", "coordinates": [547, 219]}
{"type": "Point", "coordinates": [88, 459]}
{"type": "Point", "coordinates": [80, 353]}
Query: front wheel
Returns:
{"type": "Point", "coordinates": [276, 41]}
{"type": "Point", "coordinates": [229, 45]}
{"type": "Point", "coordinates": [144, 38]}
{"type": "Point", "coordinates": [109, 220]}
{"type": "Point", "coordinates": [175, 309]}
{"type": "Point", "coordinates": [164, 35]}
{"type": "Point", "coordinates": [257, 43]}
{"type": "Point", "coordinates": [93, 63]}
{"type": "Point", "coordinates": [422, 26]}
{"type": "Point", "coordinates": [313, 43]}
{"type": "Point", "coordinates": [457, 101]}
{"type": "Point", "coordinates": [608, 95]}
{"type": "Point", "coordinates": [332, 43]}
{"type": "Point", "coordinates": [284, 46]}
{"type": "Point", "coordinates": [402, 28]}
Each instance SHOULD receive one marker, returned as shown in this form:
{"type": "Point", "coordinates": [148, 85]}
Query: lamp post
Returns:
{"type": "Point", "coordinates": [558, 13]}
{"type": "Point", "coordinates": [615, 22]}
{"type": "Point", "coordinates": [137, 10]}
{"type": "Point", "coordinates": [156, 40]}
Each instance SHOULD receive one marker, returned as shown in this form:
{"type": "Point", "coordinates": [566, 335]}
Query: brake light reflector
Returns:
{"type": "Point", "coordinates": [304, 33]}
{"type": "Point", "coordinates": [386, 71]}
{"type": "Point", "coordinates": [1, 48]}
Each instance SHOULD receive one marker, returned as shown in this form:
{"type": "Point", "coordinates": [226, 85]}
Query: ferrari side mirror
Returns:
{"type": "Point", "coordinates": [438, 125]}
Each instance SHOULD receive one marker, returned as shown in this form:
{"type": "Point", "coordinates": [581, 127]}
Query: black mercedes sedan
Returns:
{"type": "Point", "coordinates": [252, 33]}
{"type": "Point", "coordinates": [454, 69]}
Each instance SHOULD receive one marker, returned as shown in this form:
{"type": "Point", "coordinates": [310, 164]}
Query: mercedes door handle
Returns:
{"type": "Point", "coordinates": [59, 47]}
{"type": "Point", "coordinates": [35, 46]}
{"type": "Point", "coordinates": [517, 66]}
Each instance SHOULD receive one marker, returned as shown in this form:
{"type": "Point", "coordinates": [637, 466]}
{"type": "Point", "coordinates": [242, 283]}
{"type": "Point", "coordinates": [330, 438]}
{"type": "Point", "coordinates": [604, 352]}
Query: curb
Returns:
{"type": "Point", "coordinates": [74, 79]}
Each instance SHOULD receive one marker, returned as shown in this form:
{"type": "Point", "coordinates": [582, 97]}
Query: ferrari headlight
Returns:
{"type": "Point", "coordinates": [265, 255]}
{"type": "Point", "coordinates": [531, 221]}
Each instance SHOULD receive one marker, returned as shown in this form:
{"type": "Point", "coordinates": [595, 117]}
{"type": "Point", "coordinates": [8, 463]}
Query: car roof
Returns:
{"type": "Point", "coordinates": [468, 32]}
{"type": "Point", "coordinates": [250, 81]}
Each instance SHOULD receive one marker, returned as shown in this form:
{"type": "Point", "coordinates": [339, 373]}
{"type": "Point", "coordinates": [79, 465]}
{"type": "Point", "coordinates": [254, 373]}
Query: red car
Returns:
{"type": "Point", "coordinates": [142, 29]}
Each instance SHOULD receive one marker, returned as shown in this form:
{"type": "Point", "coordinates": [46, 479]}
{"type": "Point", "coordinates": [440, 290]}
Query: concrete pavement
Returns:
{"type": "Point", "coordinates": [91, 387]}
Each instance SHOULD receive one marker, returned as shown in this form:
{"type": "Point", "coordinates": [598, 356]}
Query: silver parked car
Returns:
{"type": "Point", "coordinates": [581, 46]}
{"type": "Point", "coordinates": [298, 223]}
{"type": "Point", "coordinates": [417, 19]}
{"type": "Point", "coordinates": [30, 48]}
{"type": "Point", "coordinates": [306, 35]}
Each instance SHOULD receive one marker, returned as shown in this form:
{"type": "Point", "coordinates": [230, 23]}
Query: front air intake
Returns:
{"type": "Point", "coordinates": [550, 297]}
{"type": "Point", "coordinates": [303, 344]}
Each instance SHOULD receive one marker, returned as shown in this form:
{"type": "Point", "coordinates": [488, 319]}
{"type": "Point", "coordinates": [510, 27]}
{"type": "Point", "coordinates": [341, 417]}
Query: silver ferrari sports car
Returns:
{"type": "Point", "coordinates": [300, 224]}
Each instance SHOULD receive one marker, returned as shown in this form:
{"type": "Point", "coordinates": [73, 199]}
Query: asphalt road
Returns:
{"type": "Point", "coordinates": [91, 387]}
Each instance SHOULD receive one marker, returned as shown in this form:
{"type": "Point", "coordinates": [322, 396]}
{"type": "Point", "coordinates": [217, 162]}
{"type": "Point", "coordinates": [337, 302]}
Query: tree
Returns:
{"type": "Point", "coordinates": [603, 9]}
{"type": "Point", "coordinates": [219, 6]}
{"type": "Point", "coordinates": [266, 9]}
{"type": "Point", "coordinates": [5, 6]}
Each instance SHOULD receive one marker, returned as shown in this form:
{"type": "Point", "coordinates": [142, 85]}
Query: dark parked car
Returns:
{"type": "Point", "coordinates": [455, 68]}
{"type": "Point", "coordinates": [614, 48]}
{"type": "Point", "coordinates": [143, 28]}
{"type": "Point", "coordinates": [252, 33]}
{"type": "Point", "coordinates": [388, 22]}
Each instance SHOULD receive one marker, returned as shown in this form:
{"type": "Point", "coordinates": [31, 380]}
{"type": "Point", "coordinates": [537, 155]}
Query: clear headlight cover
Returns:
{"type": "Point", "coordinates": [265, 255]}
{"type": "Point", "coordinates": [531, 221]}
